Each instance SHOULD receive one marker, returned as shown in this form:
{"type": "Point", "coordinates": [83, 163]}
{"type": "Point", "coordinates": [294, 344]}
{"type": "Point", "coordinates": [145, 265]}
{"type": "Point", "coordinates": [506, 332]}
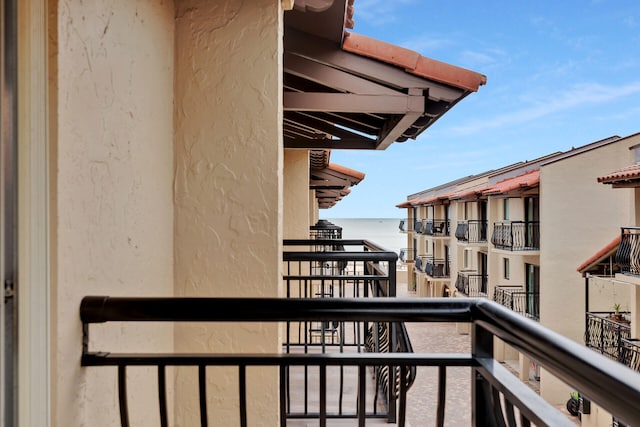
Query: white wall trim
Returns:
{"type": "Point", "coordinates": [33, 286]}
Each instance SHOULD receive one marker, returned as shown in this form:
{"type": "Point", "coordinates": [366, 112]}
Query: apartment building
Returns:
{"type": "Point", "coordinates": [166, 149]}
{"type": "Point", "coordinates": [516, 235]}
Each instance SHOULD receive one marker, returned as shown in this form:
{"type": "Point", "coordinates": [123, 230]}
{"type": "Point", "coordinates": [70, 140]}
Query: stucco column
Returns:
{"type": "Point", "coordinates": [296, 194]}
{"type": "Point", "coordinates": [228, 190]}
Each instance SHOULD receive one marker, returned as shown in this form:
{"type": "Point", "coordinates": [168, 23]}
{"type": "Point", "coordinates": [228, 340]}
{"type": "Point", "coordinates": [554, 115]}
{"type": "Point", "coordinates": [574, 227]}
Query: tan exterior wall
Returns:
{"type": "Point", "coordinates": [296, 194]}
{"type": "Point", "coordinates": [578, 217]}
{"type": "Point", "coordinates": [112, 192]}
{"type": "Point", "coordinates": [228, 188]}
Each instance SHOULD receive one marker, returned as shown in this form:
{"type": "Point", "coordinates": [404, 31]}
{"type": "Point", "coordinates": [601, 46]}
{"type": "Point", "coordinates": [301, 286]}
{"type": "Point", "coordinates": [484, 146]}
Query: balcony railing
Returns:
{"type": "Point", "coordinates": [472, 231]}
{"type": "Point", "coordinates": [417, 226]}
{"type": "Point", "coordinates": [436, 227]}
{"type": "Point", "coordinates": [406, 225]}
{"type": "Point", "coordinates": [360, 270]}
{"type": "Point", "coordinates": [516, 235]}
{"type": "Point", "coordinates": [628, 254]}
{"type": "Point", "coordinates": [515, 298]}
{"type": "Point", "coordinates": [630, 354]}
{"type": "Point", "coordinates": [472, 284]}
{"type": "Point", "coordinates": [605, 335]}
{"type": "Point", "coordinates": [436, 268]}
{"type": "Point", "coordinates": [496, 396]}
{"type": "Point", "coordinates": [407, 254]}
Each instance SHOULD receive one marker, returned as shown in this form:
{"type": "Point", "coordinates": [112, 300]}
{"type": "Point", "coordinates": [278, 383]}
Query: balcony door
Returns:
{"type": "Point", "coordinates": [8, 209]}
{"type": "Point", "coordinates": [533, 289]}
{"type": "Point", "coordinates": [482, 214]}
{"type": "Point", "coordinates": [531, 219]}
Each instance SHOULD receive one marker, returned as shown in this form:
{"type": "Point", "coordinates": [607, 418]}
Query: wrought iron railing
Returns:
{"type": "Point", "coordinates": [436, 227]}
{"type": "Point", "coordinates": [407, 254]}
{"type": "Point", "coordinates": [497, 397]}
{"type": "Point", "coordinates": [325, 229]}
{"type": "Point", "coordinates": [628, 254]}
{"type": "Point", "coordinates": [436, 268]}
{"type": "Point", "coordinates": [516, 235]}
{"type": "Point", "coordinates": [606, 335]}
{"type": "Point", "coordinates": [472, 231]}
{"type": "Point", "coordinates": [515, 298]}
{"type": "Point", "coordinates": [472, 284]}
{"type": "Point", "coordinates": [630, 353]}
{"type": "Point", "coordinates": [360, 270]}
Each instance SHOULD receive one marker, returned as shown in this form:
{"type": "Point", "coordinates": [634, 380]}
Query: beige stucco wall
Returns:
{"type": "Point", "coordinates": [228, 188]}
{"type": "Point", "coordinates": [112, 193]}
{"type": "Point", "coordinates": [578, 216]}
{"type": "Point", "coordinates": [296, 194]}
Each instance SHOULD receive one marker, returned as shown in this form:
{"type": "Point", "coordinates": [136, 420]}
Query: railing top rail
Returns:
{"type": "Point", "coordinates": [630, 229]}
{"type": "Point", "coordinates": [335, 242]}
{"type": "Point", "coordinates": [339, 256]}
{"type": "Point", "coordinates": [591, 373]}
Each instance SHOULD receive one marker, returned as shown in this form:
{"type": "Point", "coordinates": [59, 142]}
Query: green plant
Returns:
{"type": "Point", "coordinates": [616, 307]}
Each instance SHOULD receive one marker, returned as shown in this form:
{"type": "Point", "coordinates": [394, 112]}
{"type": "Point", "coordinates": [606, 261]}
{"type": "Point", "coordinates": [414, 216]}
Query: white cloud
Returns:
{"type": "Point", "coordinates": [587, 94]}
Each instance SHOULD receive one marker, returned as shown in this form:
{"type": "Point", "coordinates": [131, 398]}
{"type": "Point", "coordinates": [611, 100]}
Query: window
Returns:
{"type": "Point", "coordinates": [505, 209]}
{"type": "Point", "coordinates": [505, 267]}
{"type": "Point", "coordinates": [466, 259]}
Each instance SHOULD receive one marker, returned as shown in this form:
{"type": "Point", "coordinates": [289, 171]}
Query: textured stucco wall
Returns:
{"type": "Point", "coordinates": [228, 188]}
{"type": "Point", "coordinates": [296, 194]}
{"type": "Point", "coordinates": [578, 216]}
{"type": "Point", "coordinates": [112, 207]}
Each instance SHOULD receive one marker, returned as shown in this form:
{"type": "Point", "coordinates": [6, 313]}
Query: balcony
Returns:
{"type": "Point", "coordinates": [436, 268]}
{"type": "Point", "coordinates": [472, 231]}
{"type": "Point", "coordinates": [406, 225]}
{"type": "Point", "coordinates": [496, 396]}
{"type": "Point", "coordinates": [630, 354]}
{"type": "Point", "coordinates": [407, 254]}
{"type": "Point", "coordinates": [436, 227]}
{"type": "Point", "coordinates": [516, 299]}
{"type": "Point", "coordinates": [605, 335]}
{"type": "Point", "coordinates": [471, 284]}
{"type": "Point", "coordinates": [628, 254]}
{"type": "Point", "coordinates": [516, 235]}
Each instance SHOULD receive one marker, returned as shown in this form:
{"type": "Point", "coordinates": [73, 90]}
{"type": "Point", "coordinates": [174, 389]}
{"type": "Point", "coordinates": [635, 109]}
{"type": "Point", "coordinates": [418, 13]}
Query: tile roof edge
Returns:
{"type": "Point", "coordinates": [413, 62]}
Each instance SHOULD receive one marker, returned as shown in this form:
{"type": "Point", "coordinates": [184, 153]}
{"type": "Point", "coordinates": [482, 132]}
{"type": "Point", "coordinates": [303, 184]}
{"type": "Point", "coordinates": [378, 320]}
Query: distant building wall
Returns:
{"type": "Point", "coordinates": [578, 217]}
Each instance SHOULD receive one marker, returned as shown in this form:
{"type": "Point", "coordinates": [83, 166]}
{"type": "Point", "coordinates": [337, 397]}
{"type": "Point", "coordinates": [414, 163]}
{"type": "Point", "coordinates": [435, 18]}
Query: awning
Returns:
{"type": "Point", "coordinates": [602, 254]}
{"type": "Point", "coordinates": [358, 92]}
{"type": "Point", "coordinates": [628, 177]}
{"type": "Point", "coordinates": [516, 185]}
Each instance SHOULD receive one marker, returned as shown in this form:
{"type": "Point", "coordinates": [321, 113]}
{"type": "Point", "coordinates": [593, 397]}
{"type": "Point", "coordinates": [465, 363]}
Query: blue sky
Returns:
{"type": "Point", "coordinates": [560, 74]}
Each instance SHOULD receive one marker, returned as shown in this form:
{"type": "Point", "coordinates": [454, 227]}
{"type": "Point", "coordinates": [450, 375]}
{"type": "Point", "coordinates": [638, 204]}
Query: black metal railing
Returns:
{"type": "Point", "coordinates": [515, 298]}
{"type": "Point", "coordinates": [406, 225]}
{"type": "Point", "coordinates": [472, 231]}
{"type": "Point", "coordinates": [516, 235]}
{"type": "Point", "coordinates": [325, 229]}
{"type": "Point", "coordinates": [472, 284]}
{"type": "Point", "coordinates": [436, 227]}
{"type": "Point", "coordinates": [436, 268]}
{"type": "Point", "coordinates": [407, 254]}
{"type": "Point", "coordinates": [605, 335]}
{"type": "Point", "coordinates": [628, 254]}
{"type": "Point", "coordinates": [497, 397]}
{"type": "Point", "coordinates": [361, 270]}
{"type": "Point", "coordinates": [630, 354]}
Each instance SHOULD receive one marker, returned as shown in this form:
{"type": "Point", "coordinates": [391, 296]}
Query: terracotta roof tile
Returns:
{"type": "Point", "coordinates": [600, 255]}
{"type": "Point", "coordinates": [405, 204]}
{"type": "Point", "coordinates": [413, 62]}
{"type": "Point", "coordinates": [469, 193]}
{"type": "Point", "coordinates": [630, 172]}
{"type": "Point", "coordinates": [526, 180]}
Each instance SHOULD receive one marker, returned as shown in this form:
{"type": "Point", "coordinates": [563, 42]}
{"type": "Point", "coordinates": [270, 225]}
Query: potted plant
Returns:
{"type": "Point", "coordinates": [617, 316]}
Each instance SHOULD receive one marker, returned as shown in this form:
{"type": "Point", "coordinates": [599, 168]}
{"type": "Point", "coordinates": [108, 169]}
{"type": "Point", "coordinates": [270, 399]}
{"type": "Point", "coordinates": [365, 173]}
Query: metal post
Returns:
{"type": "Point", "coordinates": [481, 347]}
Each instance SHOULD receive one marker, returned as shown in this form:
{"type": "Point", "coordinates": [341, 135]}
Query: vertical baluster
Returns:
{"type": "Point", "coordinates": [122, 395]}
{"type": "Point", "coordinates": [285, 404]}
{"type": "Point", "coordinates": [362, 392]}
{"type": "Point", "coordinates": [442, 394]}
{"type": "Point", "coordinates": [242, 387]}
{"type": "Point", "coordinates": [202, 383]}
{"type": "Point", "coordinates": [511, 418]}
{"type": "Point", "coordinates": [402, 411]}
{"type": "Point", "coordinates": [162, 395]}
{"type": "Point", "coordinates": [323, 395]}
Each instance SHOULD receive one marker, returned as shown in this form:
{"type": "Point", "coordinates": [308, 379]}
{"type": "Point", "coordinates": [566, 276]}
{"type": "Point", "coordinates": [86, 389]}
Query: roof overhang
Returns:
{"type": "Point", "coordinates": [347, 91]}
{"type": "Point", "coordinates": [628, 177]}
{"type": "Point", "coordinates": [330, 181]}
